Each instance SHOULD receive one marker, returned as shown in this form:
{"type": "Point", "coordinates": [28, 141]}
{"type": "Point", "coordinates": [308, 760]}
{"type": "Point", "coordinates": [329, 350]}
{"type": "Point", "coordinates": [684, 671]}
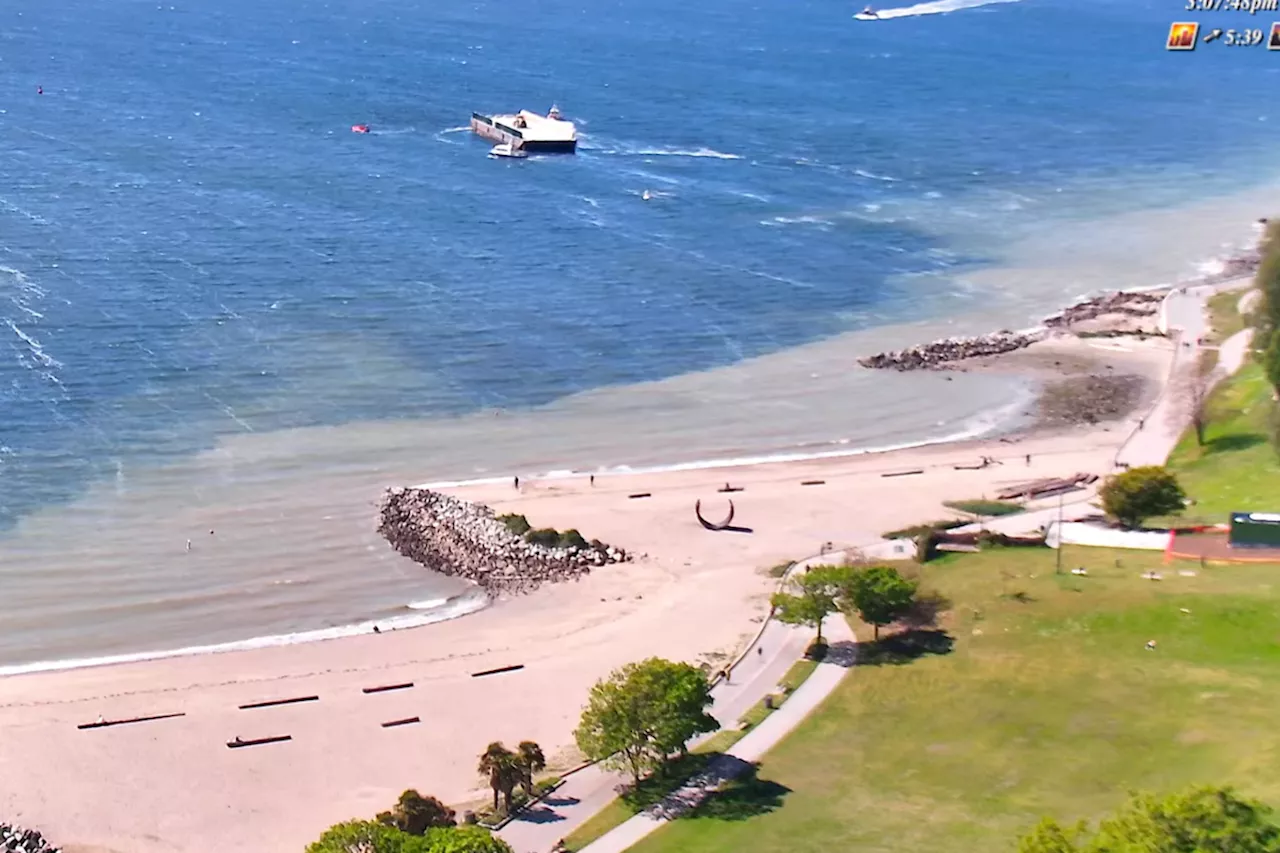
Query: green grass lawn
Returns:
{"type": "Point", "coordinates": [1238, 468]}
{"type": "Point", "coordinates": [652, 790]}
{"type": "Point", "coordinates": [1224, 315]}
{"type": "Point", "coordinates": [1048, 703]}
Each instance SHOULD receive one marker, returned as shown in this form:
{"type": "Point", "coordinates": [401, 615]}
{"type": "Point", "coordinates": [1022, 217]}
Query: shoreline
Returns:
{"type": "Point", "coordinates": [1012, 423]}
{"type": "Point", "coordinates": [689, 594]}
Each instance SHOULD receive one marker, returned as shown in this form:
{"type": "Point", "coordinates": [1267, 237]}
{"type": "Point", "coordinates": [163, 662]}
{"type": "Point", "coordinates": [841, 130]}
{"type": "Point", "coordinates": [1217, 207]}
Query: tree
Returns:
{"type": "Point", "coordinates": [531, 761]}
{"type": "Point", "coordinates": [1191, 399]}
{"type": "Point", "coordinates": [501, 767]}
{"type": "Point", "coordinates": [1271, 360]}
{"type": "Point", "coordinates": [464, 839]}
{"type": "Point", "coordinates": [415, 814]}
{"type": "Point", "coordinates": [813, 597]}
{"type": "Point", "coordinates": [880, 595]}
{"type": "Point", "coordinates": [1199, 820]}
{"type": "Point", "coordinates": [363, 836]}
{"type": "Point", "coordinates": [642, 713]}
{"type": "Point", "coordinates": [1132, 496]}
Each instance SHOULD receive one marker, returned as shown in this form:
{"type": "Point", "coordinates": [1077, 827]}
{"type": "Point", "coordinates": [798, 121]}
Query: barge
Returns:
{"type": "Point", "coordinates": [529, 132]}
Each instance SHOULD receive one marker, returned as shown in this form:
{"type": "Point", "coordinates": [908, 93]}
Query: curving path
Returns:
{"type": "Point", "coordinates": [588, 791]}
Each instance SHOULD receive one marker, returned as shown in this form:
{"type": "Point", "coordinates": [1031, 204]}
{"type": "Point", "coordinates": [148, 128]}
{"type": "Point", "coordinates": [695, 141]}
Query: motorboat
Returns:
{"type": "Point", "coordinates": [507, 150]}
{"type": "Point", "coordinates": [867, 14]}
{"type": "Point", "coordinates": [645, 195]}
{"type": "Point", "coordinates": [359, 128]}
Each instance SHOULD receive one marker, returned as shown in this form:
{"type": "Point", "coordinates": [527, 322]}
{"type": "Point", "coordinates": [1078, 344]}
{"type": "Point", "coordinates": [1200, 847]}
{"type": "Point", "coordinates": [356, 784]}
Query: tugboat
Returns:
{"type": "Point", "coordinates": [507, 150]}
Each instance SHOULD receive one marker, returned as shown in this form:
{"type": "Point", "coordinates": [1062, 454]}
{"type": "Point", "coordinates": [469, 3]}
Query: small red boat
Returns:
{"type": "Point", "coordinates": [359, 128]}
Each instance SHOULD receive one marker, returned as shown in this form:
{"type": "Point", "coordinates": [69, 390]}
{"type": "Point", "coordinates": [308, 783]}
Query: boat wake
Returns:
{"type": "Point", "coordinates": [685, 152]}
{"type": "Point", "coordinates": [937, 7]}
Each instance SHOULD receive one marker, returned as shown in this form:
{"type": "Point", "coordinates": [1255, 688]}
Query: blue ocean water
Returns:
{"type": "Point", "coordinates": [193, 243]}
{"type": "Point", "coordinates": [189, 229]}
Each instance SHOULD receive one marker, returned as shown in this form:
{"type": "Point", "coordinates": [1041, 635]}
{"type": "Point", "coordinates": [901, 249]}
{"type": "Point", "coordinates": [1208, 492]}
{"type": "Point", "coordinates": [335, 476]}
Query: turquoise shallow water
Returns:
{"type": "Point", "coordinates": [193, 246]}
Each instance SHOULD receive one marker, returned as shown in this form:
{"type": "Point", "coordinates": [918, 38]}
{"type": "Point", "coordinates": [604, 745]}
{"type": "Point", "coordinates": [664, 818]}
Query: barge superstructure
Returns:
{"type": "Point", "coordinates": [528, 131]}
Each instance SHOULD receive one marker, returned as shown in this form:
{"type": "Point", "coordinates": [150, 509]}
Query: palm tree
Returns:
{"type": "Point", "coordinates": [501, 766]}
{"type": "Point", "coordinates": [531, 759]}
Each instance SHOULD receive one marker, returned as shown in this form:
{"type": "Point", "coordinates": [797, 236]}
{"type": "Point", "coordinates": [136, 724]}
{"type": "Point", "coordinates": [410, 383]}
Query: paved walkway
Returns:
{"type": "Point", "coordinates": [743, 755]}
{"type": "Point", "coordinates": [589, 790]}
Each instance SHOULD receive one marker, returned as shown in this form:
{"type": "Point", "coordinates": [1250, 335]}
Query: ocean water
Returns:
{"type": "Point", "coordinates": [220, 310]}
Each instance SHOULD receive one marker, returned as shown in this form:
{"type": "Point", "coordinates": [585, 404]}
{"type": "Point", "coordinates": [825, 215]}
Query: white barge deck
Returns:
{"type": "Point", "coordinates": [528, 131]}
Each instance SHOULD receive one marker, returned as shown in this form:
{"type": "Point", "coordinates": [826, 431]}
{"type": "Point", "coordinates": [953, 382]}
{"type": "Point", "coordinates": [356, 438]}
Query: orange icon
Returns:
{"type": "Point", "coordinates": [1182, 36]}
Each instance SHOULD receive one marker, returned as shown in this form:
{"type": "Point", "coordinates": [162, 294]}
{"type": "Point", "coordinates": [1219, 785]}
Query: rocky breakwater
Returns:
{"type": "Point", "coordinates": [1123, 303]}
{"type": "Point", "coordinates": [465, 540]}
{"type": "Point", "coordinates": [939, 353]}
{"type": "Point", "coordinates": [15, 839]}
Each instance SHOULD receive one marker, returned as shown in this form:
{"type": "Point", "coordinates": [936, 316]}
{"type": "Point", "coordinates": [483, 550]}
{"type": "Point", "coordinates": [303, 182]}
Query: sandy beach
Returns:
{"type": "Point", "coordinates": [174, 785]}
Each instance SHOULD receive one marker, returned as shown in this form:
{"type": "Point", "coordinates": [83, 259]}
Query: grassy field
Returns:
{"type": "Point", "coordinates": [1224, 315]}
{"type": "Point", "coordinates": [1048, 703]}
{"type": "Point", "coordinates": [654, 789]}
{"type": "Point", "coordinates": [1238, 468]}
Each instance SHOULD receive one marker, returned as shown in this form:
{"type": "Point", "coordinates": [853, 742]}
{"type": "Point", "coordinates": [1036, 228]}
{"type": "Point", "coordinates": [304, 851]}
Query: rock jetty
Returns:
{"type": "Point", "coordinates": [941, 352]}
{"type": "Point", "coordinates": [465, 540]}
{"type": "Point", "coordinates": [15, 839]}
{"type": "Point", "coordinates": [1126, 303]}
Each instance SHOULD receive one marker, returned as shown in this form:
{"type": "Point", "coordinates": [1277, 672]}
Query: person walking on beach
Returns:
{"type": "Point", "coordinates": [1028, 460]}
{"type": "Point", "coordinates": [593, 479]}
{"type": "Point", "coordinates": [515, 481]}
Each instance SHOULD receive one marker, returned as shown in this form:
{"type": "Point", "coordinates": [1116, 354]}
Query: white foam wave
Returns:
{"type": "Point", "coordinates": [462, 128]}
{"type": "Point", "coordinates": [937, 7]}
{"type": "Point", "coordinates": [34, 346]}
{"type": "Point", "coordinates": [468, 602]}
{"type": "Point", "coordinates": [873, 176]}
{"type": "Point", "coordinates": [803, 220]}
{"type": "Point", "coordinates": [668, 152]}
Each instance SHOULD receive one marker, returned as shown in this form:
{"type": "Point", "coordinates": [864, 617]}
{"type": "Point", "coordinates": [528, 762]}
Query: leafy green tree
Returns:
{"type": "Point", "coordinates": [1133, 496]}
{"type": "Point", "coordinates": [363, 836]}
{"type": "Point", "coordinates": [531, 761]}
{"type": "Point", "coordinates": [501, 767]}
{"type": "Point", "coordinates": [642, 713]}
{"type": "Point", "coordinates": [813, 597]}
{"type": "Point", "coordinates": [1198, 820]}
{"type": "Point", "coordinates": [880, 595]}
{"type": "Point", "coordinates": [1271, 360]}
{"type": "Point", "coordinates": [464, 839]}
{"type": "Point", "coordinates": [415, 814]}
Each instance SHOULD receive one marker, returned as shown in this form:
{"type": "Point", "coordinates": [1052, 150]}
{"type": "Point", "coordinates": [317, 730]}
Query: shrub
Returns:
{"type": "Point", "coordinates": [1140, 493]}
{"type": "Point", "coordinates": [517, 524]}
{"type": "Point", "coordinates": [916, 529]}
{"type": "Point", "coordinates": [572, 539]}
{"type": "Point", "coordinates": [415, 814]}
{"type": "Point", "coordinates": [780, 569]}
{"type": "Point", "coordinates": [548, 537]}
{"type": "Point", "coordinates": [927, 545]}
{"type": "Point", "coordinates": [984, 507]}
